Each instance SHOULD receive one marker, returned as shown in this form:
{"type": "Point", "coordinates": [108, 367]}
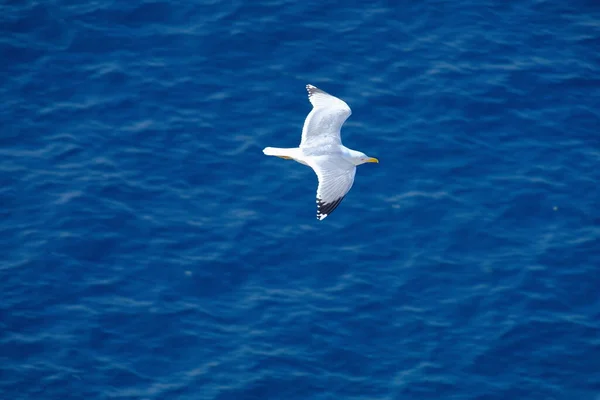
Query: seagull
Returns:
{"type": "Point", "coordinates": [321, 149]}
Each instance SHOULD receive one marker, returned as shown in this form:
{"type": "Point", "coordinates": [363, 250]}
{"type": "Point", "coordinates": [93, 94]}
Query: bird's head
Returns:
{"type": "Point", "coordinates": [361, 158]}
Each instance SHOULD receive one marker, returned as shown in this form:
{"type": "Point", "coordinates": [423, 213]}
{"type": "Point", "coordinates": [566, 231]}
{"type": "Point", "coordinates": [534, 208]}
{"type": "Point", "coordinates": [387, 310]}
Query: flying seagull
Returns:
{"type": "Point", "coordinates": [321, 149]}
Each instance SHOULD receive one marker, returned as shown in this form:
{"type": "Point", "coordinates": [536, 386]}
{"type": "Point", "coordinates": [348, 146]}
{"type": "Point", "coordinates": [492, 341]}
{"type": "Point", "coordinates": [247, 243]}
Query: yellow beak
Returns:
{"type": "Point", "coordinates": [373, 159]}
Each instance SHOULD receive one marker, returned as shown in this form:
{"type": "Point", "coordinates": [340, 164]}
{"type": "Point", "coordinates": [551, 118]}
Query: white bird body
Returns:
{"type": "Point", "coordinates": [321, 149]}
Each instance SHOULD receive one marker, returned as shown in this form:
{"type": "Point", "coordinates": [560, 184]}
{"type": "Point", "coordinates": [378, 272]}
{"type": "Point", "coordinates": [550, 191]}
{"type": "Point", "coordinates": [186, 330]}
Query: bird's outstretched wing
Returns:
{"type": "Point", "coordinates": [336, 176]}
{"type": "Point", "coordinates": [322, 125]}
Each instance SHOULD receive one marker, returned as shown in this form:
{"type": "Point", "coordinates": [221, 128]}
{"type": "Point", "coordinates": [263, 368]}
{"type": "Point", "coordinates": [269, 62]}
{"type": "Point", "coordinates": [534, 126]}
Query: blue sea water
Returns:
{"type": "Point", "coordinates": [149, 250]}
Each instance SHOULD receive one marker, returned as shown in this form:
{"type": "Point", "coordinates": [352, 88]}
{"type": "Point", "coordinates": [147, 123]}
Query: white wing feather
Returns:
{"type": "Point", "coordinates": [336, 176]}
{"type": "Point", "coordinates": [323, 124]}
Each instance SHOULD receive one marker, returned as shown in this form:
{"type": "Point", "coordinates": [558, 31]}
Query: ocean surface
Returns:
{"type": "Point", "coordinates": [149, 250]}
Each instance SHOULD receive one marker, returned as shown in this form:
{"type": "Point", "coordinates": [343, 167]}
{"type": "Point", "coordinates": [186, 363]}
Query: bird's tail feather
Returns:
{"type": "Point", "coordinates": [279, 152]}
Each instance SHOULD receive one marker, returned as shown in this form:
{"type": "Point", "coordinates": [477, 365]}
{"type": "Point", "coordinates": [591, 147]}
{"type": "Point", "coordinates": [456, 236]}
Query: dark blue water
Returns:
{"type": "Point", "coordinates": [149, 250]}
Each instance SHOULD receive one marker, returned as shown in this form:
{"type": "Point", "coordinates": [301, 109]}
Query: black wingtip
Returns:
{"type": "Point", "coordinates": [324, 209]}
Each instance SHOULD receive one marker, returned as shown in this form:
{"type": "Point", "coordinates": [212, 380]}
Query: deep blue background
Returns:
{"type": "Point", "coordinates": [149, 250]}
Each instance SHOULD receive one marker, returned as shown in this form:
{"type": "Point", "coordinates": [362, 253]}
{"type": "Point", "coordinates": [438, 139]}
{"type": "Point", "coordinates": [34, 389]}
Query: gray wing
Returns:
{"type": "Point", "coordinates": [323, 124]}
{"type": "Point", "coordinates": [336, 176]}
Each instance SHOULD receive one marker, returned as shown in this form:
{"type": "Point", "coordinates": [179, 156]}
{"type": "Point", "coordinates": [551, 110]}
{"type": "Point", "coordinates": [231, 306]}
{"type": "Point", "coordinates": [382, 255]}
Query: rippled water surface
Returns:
{"type": "Point", "coordinates": [151, 251]}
